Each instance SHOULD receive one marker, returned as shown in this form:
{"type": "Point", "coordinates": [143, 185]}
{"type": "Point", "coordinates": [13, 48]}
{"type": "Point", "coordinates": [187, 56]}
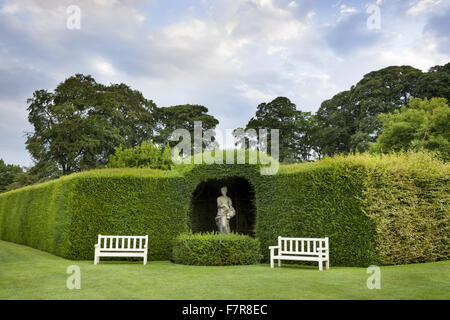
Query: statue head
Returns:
{"type": "Point", "coordinates": [224, 190]}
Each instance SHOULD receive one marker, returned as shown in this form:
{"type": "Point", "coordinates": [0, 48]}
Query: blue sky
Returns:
{"type": "Point", "coordinates": [227, 55]}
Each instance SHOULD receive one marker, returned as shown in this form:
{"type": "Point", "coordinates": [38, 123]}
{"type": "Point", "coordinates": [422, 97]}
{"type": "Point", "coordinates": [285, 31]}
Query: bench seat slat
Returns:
{"type": "Point", "coordinates": [302, 258]}
{"type": "Point", "coordinates": [120, 249]}
{"type": "Point", "coordinates": [121, 254]}
{"type": "Point", "coordinates": [299, 253]}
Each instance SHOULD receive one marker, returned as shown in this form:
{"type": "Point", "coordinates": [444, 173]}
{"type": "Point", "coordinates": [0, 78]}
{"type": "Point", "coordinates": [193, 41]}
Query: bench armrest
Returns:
{"type": "Point", "coordinates": [97, 245]}
{"type": "Point", "coordinates": [274, 247]}
{"type": "Point", "coordinates": [322, 249]}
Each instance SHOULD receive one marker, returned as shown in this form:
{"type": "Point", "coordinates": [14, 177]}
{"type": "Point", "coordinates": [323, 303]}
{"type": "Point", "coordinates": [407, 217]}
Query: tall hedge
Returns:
{"type": "Point", "coordinates": [126, 205]}
{"type": "Point", "coordinates": [408, 197]}
{"type": "Point", "coordinates": [388, 210]}
{"type": "Point", "coordinates": [65, 216]}
{"type": "Point", "coordinates": [37, 216]}
{"type": "Point", "coordinates": [317, 201]}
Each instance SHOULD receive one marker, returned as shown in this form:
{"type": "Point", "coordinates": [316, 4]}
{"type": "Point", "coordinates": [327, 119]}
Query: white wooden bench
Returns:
{"type": "Point", "coordinates": [302, 249]}
{"type": "Point", "coordinates": [121, 246]}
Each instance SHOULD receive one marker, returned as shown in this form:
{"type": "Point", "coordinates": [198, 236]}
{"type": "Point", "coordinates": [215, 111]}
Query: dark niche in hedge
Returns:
{"type": "Point", "coordinates": [204, 205]}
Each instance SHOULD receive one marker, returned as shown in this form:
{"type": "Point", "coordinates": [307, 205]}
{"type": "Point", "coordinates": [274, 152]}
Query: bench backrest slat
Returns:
{"type": "Point", "coordinates": [308, 246]}
{"type": "Point", "coordinates": [122, 243]}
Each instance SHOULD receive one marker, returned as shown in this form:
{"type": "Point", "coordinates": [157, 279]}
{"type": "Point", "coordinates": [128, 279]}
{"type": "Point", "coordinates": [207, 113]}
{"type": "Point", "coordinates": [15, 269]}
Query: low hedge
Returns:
{"type": "Point", "coordinates": [213, 249]}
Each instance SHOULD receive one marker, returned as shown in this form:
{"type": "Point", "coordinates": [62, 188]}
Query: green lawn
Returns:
{"type": "Point", "coordinates": [26, 273]}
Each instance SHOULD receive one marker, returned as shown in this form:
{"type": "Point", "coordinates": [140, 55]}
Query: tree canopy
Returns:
{"type": "Point", "coordinates": [424, 124]}
{"type": "Point", "coordinates": [349, 120]}
{"type": "Point", "coordinates": [9, 174]}
{"type": "Point", "coordinates": [78, 126]}
{"type": "Point", "coordinates": [293, 126]}
{"type": "Point", "coordinates": [169, 119]}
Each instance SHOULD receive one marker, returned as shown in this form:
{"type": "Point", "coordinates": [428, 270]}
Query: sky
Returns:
{"type": "Point", "coordinates": [228, 55]}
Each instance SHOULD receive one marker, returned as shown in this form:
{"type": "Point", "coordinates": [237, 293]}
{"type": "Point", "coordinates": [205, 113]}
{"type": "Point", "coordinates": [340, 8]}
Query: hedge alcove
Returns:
{"type": "Point", "coordinates": [204, 205]}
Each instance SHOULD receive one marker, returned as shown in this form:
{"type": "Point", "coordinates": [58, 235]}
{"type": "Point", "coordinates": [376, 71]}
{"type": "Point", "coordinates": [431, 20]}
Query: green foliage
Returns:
{"type": "Point", "coordinates": [65, 216]}
{"type": "Point", "coordinates": [425, 124]}
{"type": "Point", "coordinates": [37, 216]}
{"type": "Point", "coordinates": [213, 249]}
{"type": "Point", "coordinates": [318, 200]}
{"type": "Point", "coordinates": [348, 121]}
{"type": "Point", "coordinates": [147, 155]}
{"type": "Point", "coordinates": [435, 83]}
{"type": "Point", "coordinates": [385, 209]}
{"type": "Point", "coordinates": [126, 203]}
{"type": "Point", "coordinates": [9, 174]}
{"type": "Point", "coordinates": [293, 126]}
{"type": "Point", "coordinates": [182, 117]}
{"type": "Point", "coordinates": [408, 198]}
{"type": "Point", "coordinates": [77, 126]}
{"type": "Point", "coordinates": [40, 172]}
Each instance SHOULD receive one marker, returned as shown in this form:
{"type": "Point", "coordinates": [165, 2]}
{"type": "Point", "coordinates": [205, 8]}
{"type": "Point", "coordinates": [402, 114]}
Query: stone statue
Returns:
{"type": "Point", "coordinates": [225, 212]}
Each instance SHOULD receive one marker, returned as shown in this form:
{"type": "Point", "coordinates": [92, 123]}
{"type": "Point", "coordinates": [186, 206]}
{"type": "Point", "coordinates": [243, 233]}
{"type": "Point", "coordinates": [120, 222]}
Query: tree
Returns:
{"type": "Point", "coordinates": [9, 174]}
{"type": "Point", "coordinates": [78, 126]}
{"type": "Point", "coordinates": [435, 83]}
{"type": "Point", "coordinates": [39, 172]}
{"type": "Point", "coordinates": [335, 125]}
{"type": "Point", "coordinates": [293, 126]}
{"type": "Point", "coordinates": [425, 124]}
{"type": "Point", "coordinates": [349, 121]}
{"type": "Point", "coordinates": [304, 135]}
{"type": "Point", "coordinates": [168, 119]}
{"type": "Point", "coordinates": [147, 155]}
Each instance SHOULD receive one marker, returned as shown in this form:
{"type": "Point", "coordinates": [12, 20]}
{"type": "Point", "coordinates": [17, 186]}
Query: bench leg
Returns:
{"type": "Point", "coordinates": [320, 265]}
{"type": "Point", "coordinates": [279, 262]}
{"type": "Point", "coordinates": [328, 264]}
{"type": "Point", "coordinates": [271, 262]}
{"type": "Point", "coordinates": [145, 259]}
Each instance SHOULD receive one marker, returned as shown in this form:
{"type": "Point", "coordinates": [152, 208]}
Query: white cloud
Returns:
{"type": "Point", "coordinates": [104, 67]}
{"type": "Point", "coordinates": [275, 49]}
{"type": "Point", "coordinates": [345, 9]}
{"type": "Point", "coordinates": [293, 4]}
{"type": "Point", "coordinates": [422, 55]}
{"type": "Point", "coordinates": [422, 6]}
{"type": "Point", "coordinates": [254, 95]}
